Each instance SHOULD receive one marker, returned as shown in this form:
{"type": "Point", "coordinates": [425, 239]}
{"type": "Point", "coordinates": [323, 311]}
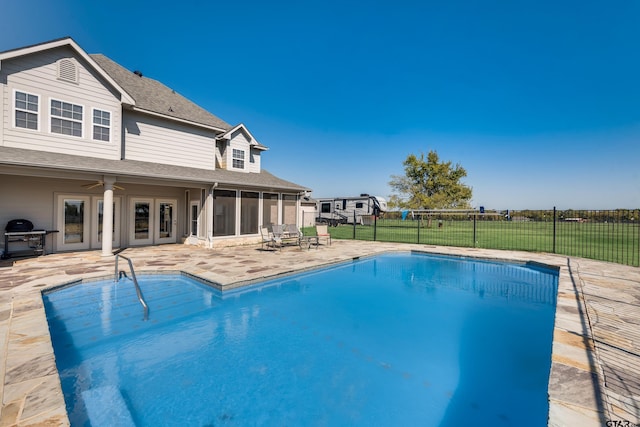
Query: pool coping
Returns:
{"type": "Point", "coordinates": [31, 392]}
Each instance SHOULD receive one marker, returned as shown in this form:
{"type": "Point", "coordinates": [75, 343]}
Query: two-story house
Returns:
{"type": "Point", "coordinates": [92, 149]}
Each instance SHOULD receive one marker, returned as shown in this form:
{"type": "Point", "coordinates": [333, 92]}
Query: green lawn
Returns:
{"type": "Point", "coordinates": [615, 242]}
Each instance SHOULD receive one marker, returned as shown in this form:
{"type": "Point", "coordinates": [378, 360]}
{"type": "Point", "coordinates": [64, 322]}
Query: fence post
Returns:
{"type": "Point", "coordinates": [475, 236]}
{"type": "Point", "coordinates": [554, 229]}
{"type": "Point", "coordinates": [375, 227]}
{"type": "Point", "coordinates": [419, 221]}
{"type": "Point", "coordinates": [354, 224]}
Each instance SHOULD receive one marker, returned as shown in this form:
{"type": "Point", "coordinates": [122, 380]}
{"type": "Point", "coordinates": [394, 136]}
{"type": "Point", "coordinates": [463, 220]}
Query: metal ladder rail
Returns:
{"type": "Point", "coordinates": [135, 283]}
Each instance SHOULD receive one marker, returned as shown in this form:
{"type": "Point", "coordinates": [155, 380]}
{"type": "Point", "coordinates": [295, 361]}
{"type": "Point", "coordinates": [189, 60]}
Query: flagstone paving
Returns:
{"type": "Point", "coordinates": [595, 372]}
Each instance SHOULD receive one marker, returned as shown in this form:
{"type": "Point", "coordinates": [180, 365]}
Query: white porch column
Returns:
{"type": "Point", "coordinates": [107, 217]}
{"type": "Point", "coordinates": [209, 215]}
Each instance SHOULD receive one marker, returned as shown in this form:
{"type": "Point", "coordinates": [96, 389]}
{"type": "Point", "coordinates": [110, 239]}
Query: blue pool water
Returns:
{"type": "Point", "coordinates": [395, 340]}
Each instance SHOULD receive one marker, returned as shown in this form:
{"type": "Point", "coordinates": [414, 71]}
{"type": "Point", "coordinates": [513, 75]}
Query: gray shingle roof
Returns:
{"type": "Point", "coordinates": [151, 95]}
{"type": "Point", "coordinates": [177, 175]}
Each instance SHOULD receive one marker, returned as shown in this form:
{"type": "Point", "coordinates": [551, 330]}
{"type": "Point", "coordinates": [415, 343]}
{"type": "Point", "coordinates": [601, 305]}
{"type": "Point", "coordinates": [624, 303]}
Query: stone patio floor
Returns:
{"type": "Point", "coordinates": [595, 372]}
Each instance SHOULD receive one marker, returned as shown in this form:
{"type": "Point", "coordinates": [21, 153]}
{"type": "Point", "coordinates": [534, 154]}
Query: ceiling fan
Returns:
{"type": "Point", "coordinates": [98, 184]}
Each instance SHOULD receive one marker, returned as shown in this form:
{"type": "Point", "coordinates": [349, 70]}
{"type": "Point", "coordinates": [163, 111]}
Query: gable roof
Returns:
{"type": "Point", "coordinates": [141, 93]}
{"type": "Point", "coordinates": [153, 97]}
{"type": "Point", "coordinates": [68, 41]}
{"type": "Point", "coordinates": [241, 127]}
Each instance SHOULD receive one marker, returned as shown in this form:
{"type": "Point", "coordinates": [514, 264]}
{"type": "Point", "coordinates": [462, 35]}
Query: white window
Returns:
{"type": "Point", "coordinates": [238, 159]}
{"type": "Point", "coordinates": [26, 108]}
{"type": "Point", "coordinates": [66, 118]}
{"type": "Point", "coordinates": [194, 218]}
{"type": "Point", "coordinates": [101, 125]}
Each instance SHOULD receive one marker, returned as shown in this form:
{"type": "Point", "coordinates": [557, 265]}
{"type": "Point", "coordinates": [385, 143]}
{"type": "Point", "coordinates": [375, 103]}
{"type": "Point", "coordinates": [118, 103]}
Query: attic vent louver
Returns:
{"type": "Point", "coordinates": [68, 70]}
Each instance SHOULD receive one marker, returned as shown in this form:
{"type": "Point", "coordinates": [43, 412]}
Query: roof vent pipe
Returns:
{"type": "Point", "coordinates": [138, 73]}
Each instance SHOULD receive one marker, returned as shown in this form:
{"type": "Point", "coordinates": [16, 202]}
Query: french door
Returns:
{"type": "Point", "coordinates": [166, 221]}
{"type": "Point", "coordinates": [73, 222]}
{"type": "Point", "coordinates": [141, 222]}
{"type": "Point", "coordinates": [152, 221]}
{"type": "Point", "coordinates": [79, 219]}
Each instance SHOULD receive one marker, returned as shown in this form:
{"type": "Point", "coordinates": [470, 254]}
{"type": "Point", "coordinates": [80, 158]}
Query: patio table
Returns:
{"type": "Point", "coordinates": [309, 240]}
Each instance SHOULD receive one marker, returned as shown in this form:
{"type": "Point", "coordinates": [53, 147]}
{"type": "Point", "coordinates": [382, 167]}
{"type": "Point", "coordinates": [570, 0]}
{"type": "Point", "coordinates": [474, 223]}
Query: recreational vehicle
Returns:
{"type": "Point", "coordinates": [346, 210]}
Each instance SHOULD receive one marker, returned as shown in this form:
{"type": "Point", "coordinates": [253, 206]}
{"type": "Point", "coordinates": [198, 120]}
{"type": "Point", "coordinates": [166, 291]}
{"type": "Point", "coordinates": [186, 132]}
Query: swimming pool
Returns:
{"type": "Point", "coordinates": [400, 339]}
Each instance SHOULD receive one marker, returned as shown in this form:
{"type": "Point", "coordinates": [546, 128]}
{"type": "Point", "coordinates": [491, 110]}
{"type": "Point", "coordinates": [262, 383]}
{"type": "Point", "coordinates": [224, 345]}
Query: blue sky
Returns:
{"type": "Point", "coordinates": [538, 100]}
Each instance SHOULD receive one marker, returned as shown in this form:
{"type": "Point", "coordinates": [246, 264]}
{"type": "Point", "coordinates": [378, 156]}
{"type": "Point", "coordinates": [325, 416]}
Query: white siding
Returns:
{"type": "Point", "coordinates": [240, 141]}
{"type": "Point", "coordinates": [221, 158]}
{"type": "Point", "coordinates": [30, 198]}
{"type": "Point", "coordinates": [37, 74]}
{"type": "Point", "coordinates": [307, 216]}
{"type": "Point", "coordinates": [255, 166]}
{"type": "Point", "coordinates": [3, 106]}
{"type": "Point", "coordinates": [151, 139]}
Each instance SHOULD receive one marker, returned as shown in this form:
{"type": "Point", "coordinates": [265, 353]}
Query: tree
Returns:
{"type": "Point", "coordinates": [430, 184]}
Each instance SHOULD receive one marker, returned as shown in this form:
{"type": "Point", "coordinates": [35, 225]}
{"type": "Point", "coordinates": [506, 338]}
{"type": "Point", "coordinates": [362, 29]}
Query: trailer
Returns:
{"type": "Point", "coordinates": [346, 210]}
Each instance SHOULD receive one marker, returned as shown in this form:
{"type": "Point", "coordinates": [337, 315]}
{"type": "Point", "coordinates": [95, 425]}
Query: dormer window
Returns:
{"type": "Point", "coordinates": [238, 159]}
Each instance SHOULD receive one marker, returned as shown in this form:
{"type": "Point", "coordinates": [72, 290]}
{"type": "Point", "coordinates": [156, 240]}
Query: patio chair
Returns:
{"type": "Point", "coordinates": [292, 230]}
{"type": "Point", "coordinates": [322, 231]}
{"type": "Point", "coordinates": [281, 234]}
{"type": "Point", "coordinates": [269, 239]}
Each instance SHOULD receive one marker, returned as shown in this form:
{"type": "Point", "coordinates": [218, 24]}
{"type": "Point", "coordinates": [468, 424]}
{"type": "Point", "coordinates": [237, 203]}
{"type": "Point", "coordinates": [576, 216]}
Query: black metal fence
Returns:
{"type": "Point", "coordinates": [607, 235]}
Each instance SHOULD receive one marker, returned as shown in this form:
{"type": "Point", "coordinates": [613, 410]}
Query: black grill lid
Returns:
{"type": "Point", "coordinates": [19, 226]}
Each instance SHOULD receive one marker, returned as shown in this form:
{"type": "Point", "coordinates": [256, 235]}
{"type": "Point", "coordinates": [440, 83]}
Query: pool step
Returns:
{"type": "Point", "coordinates": [86, 320]}
{"type": "Point", "coordinates": [106, 407]}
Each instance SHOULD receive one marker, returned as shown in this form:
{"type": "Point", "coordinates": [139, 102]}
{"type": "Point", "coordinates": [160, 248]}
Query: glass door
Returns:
{"type": "Point", "coordinates": [166, 221]}
{"type": "Point", "coordinates": [194, 220]}
{"type": "Point", "coordinates": [141, 220]}
{"type": "Point", "coordinates": [73, 223]}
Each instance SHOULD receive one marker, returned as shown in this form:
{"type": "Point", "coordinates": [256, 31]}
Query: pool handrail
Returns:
{"type": "Point", "coordinates": [135, 283]}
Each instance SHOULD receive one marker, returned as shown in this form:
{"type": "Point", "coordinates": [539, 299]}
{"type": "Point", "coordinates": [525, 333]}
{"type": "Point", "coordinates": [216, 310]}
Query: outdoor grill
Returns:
{"type": "Point", "coordinates": [19, 226]}
{"type": "Point", "coordinates": [20, 232]}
